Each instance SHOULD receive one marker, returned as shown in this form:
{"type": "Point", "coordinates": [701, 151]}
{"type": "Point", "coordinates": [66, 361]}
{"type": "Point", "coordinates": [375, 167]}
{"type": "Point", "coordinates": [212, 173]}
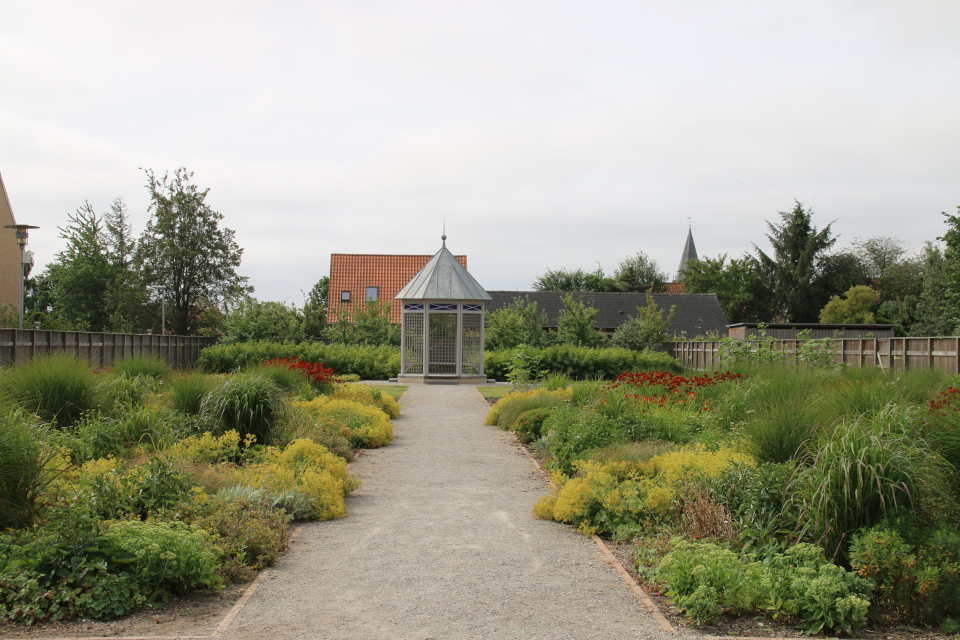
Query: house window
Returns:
{"type": "Point", "coordinates": [344, 296]}
{"type": "Point", "coordinates": [371, 294]}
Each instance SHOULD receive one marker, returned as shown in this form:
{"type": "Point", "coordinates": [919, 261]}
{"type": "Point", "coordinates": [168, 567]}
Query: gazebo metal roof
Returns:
{"type": "Point", "coordinates": [443, 278]}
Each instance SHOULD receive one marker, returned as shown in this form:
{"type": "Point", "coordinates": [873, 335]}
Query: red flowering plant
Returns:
{"type": "Point", "coordinates": [662, 388]}
{"type": "Point", "coordinates": [321, 378]}
{"type": "Point", "coordinates": [943, 429]}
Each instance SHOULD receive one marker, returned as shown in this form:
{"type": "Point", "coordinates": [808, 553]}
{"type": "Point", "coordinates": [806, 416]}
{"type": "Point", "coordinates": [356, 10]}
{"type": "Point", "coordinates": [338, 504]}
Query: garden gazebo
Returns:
{"type": "Point", "coordinates": [442, 324]}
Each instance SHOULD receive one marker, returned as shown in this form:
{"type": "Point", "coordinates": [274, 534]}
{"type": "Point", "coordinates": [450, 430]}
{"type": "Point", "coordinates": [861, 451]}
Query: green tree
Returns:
{"type": "Point", "coordinates": [125, 296]}
{"type": "Point", "coordinates": [647, 330]}
{"type": "Point", "coordinates": [936, 315]}
{"type": "Point", "coordinates": [856, 307]}
{"type": "Point", "coordinates": [737, 285]}
{"type": "Point", "coordinates": [640, 273]}
{"type": "Point", "coordinates": [315, 309]}
{"type": "Point", "coordinates": [249, 319]}
{"type": "Point", "coordinates": [889, 267]}
{"type": "Point", "coordinates": [575, 324]}
{"type": "Point", "coordinates": [574, 280]}
{"type": "Point", "coordinates": [184, 250]}
{"type": "Point", "coordinates": [369, 325]}
{"type": "Point", "coordinates": [514, 325]}
{"type": "Point", "coordinates": [80, 274]}
{"type": "Point", "coordinates": [791, 273]}
{"type": "Point", "coordinates": [951, 263]}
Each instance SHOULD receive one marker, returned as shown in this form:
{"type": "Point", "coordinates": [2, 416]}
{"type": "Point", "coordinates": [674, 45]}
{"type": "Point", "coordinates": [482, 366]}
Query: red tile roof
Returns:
{"type": "Point", "coordinates": [355, 272]}
{"type": "Point", "coordinates": [673, 287]}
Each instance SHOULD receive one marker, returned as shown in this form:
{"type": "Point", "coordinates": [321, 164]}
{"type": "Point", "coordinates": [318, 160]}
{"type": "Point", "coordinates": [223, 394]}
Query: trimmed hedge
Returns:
{"type": "Point", "coordinates": [370, 363]}
{"type": "Point", "coordinates": [381, 363]}
{"type": "Point", "coordinates": [581, 363]}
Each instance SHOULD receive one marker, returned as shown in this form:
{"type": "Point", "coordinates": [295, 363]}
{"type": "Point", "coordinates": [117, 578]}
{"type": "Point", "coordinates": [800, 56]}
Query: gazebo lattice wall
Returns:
{"type": "Point", "coordinates": [442, 323]}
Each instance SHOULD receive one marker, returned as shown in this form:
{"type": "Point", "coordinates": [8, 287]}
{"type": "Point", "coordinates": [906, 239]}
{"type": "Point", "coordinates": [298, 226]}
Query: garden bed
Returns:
{"type": "Point", "coordinates": [821, 497]}
{"type": "Point", "coordinates": [140, 490]}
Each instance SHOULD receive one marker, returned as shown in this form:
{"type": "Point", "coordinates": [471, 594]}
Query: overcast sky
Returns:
{"type": "Point", "coordinates": [549, 134]}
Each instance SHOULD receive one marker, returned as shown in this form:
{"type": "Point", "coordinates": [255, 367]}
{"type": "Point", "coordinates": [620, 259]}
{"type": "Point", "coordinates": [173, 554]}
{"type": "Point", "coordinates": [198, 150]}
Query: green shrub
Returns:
{"type": "Point", "coordinates": [942, 430]}
{"type": "Point", "coordinates": [917, 575]}
{"type": "Point", "coordinates": [370, 363]}
{"type": "Point", "coordinates": [556, 382]}
{"type": "Point", "coordinates": [508, 408]}
{"type": "Point", "coordinates": [368, 426]}
{"type": "Point", "coordinates": [22, 469]}
{"type": "Point", "coordinates": [186, 393]}
{"type": "Point", "coordinates": [632, 452]}
{"type": "Point", "coordinates": [250, 535]}
{"type": "Point", "coordinates": [758, 499]}
{"type": "Point", "coordinates": [147, 366]}
{"type": "Point", "coordinates": [58, 388]}
{"type": "Point", "coordinates": [580, 363]}
{"type": "Point", "coordinates": [247, 404]}
{"type": "Point", "coordinates": [572, 435]}
{"type": "Point", "coordinates": [529, 424]}
{"type": "Point", "coordinates": [137, 492]}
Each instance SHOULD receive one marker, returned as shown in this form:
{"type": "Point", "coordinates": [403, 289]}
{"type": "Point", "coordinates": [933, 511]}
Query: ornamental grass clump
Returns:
{"type": "Point", "coordinates": [287, 379]}
{"type": "Point", "coordinates": [186, 393]}
{"type": "Point", "coordinates": [119, 392]}
{"type": "Point", "coordinates": [24, 469]}
{"type": "Point", "coordinates": [249, 404]}
{"type": "Point", "coordinates": [786, 412]}
{"type": "Point", "coordinates": [147, 366]}
{"type": "Point", "coordinates": [58, 388]}
{"type": "Point", "coordinates": [866, 471]}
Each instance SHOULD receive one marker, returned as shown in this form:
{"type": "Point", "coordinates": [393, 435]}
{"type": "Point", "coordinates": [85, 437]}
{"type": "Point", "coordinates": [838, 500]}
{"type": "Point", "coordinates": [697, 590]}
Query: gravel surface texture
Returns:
{"type": "Point", "coordinates": [441, 543]}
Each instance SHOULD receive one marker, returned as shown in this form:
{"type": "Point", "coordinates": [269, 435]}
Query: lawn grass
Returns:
{"type": "Point", "coordinates": [395, 390]}
{"type": "Point", "coordinates": [494, 392]}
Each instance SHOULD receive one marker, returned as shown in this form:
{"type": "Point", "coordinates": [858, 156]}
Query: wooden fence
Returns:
{"type": "Point", "coordinates": [100, 349]}
{"type": "Point", "coordinates": [888, 353]}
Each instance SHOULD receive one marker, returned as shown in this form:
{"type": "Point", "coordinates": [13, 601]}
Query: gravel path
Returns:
{"type": "Point", "coordinates": [441, 543]}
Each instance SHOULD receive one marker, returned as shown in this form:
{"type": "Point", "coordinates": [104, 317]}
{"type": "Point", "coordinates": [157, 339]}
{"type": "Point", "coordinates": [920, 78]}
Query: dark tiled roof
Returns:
{"type": "Point", "coordinates": [695, 314]}
{"type": "Point", "coordinates": [355, 272]}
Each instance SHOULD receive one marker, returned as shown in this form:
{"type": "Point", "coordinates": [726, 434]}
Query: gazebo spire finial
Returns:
{"type": "Point", "coordinates": [444, 236]}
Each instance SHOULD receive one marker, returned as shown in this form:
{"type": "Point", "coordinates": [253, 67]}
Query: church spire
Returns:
{"type": "Point", "coordinates": [689, 253]}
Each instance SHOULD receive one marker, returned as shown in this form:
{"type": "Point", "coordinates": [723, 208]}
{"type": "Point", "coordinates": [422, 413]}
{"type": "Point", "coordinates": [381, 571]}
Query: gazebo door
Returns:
{"type": "Point", "coordinates": [442, 342]}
